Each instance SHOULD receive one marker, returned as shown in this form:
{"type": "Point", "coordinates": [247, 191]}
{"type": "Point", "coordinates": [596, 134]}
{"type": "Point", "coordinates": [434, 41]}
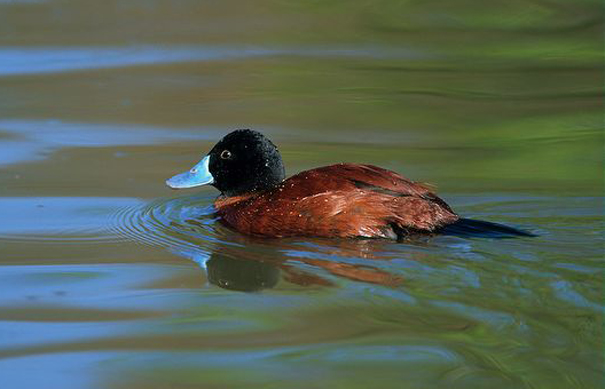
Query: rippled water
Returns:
{"type": "Point", "coordinates": [110, 280]}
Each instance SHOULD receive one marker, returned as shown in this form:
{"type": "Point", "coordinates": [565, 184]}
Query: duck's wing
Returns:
{"type": "Point", "coordinates": [348, 176]}
{"type": "Point", "coordinates": [379, 179]}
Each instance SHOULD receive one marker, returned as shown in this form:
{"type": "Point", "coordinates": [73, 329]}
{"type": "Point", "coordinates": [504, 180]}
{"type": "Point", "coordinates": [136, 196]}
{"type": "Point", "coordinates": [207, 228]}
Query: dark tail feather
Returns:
{"type": "Point", "coordinates": [481, 229]}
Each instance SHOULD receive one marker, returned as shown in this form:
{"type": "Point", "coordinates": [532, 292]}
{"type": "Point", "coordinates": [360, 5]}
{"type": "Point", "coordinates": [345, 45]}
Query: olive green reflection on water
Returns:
{"type": "Point", "coordinates": [108, 279]}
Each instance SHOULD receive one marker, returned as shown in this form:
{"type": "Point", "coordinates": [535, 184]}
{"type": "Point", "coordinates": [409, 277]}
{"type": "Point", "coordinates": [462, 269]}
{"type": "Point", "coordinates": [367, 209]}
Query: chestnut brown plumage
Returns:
{"type": "Point", "coordinates": [344, 200]}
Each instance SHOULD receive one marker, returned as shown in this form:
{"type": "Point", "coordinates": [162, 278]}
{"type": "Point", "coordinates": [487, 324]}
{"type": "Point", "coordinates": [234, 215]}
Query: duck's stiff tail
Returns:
{"type": "Point", "coordinates": [478, 228]}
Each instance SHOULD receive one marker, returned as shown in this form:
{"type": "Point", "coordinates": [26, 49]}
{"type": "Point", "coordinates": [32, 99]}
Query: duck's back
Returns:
{"type": "Point", "coordinates": [343, 200]}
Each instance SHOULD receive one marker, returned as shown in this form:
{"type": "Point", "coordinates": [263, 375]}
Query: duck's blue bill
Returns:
{"type": "Point", "coordinates": [198, 175]}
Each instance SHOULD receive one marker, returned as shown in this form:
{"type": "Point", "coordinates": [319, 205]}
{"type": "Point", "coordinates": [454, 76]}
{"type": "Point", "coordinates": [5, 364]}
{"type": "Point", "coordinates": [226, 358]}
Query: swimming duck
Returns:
{"type": "Point", "coordinates": [345, 200]}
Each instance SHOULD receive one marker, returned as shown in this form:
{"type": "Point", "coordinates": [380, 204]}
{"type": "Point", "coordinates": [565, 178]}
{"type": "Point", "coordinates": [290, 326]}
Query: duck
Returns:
{"type": "Point", "coordinates": [344, 200]}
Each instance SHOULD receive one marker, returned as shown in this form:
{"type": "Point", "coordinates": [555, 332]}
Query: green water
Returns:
{"type": "Point", "coordinates": [110, 280]}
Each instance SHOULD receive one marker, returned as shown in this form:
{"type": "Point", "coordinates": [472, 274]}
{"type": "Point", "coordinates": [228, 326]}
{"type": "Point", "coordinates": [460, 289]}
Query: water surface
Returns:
{"type": "Point", "coordinates": [110, 280]}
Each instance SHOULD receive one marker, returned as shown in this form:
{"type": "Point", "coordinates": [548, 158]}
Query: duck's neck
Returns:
{"type": "Point", "coordinates": [222, 201]}
{"type": "Point", "coordinates": [255, 186]}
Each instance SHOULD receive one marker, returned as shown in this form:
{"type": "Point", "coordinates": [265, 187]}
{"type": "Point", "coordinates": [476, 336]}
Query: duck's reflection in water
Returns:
{"type": "Point", "coordinates": [246, 275]}
{"type": "Point", "coordinates": [255, 266]}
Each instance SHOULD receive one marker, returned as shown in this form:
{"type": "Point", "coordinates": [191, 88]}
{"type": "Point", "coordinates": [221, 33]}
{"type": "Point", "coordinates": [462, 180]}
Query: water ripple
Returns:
{"type": "Point", "coordinates": [58, 219]}
{"type": "Point", "coordinates": [177, 224]}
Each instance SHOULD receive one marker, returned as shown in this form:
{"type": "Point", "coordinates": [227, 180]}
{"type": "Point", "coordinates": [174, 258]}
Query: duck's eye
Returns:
{"type": "Point", "coordinates": [226, 154]}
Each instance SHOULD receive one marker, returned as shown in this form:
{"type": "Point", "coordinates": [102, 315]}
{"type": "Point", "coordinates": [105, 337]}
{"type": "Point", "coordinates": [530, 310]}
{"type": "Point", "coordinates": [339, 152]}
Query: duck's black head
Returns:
{"type": "Point", "coordinates": [243, 161]}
